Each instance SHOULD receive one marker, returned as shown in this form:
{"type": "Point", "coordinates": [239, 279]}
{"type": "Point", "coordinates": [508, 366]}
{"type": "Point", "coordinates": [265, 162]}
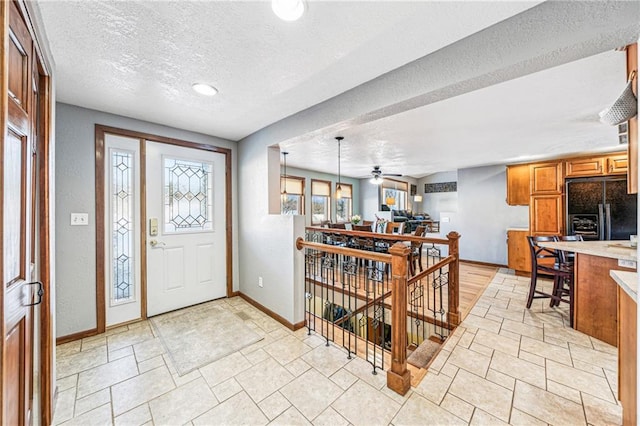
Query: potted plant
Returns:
{"type": "Point", "coordinates": [355, 219]}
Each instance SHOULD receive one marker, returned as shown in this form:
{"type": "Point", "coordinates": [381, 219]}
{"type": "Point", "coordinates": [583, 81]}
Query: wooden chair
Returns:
{"type": "Point", "coordinates": [361, 227]}
{"type": "Point", "coordinates": [394, 228]}
{"type": "Point", "coordinates": [416, 250]}
{"type": "Point", "coordinates": [567, 259]}
{"type": "Point", "coordinates": [546, 263]}
{"type": "Point", "coordinates": [367, 222]}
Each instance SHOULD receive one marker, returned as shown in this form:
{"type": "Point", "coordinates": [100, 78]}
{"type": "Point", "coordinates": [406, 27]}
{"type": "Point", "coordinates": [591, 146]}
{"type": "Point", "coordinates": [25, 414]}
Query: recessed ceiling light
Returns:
{"type": "Point", "coordinates": [288, 10]}
{"type": "Point", "coordinates": [204, 89]}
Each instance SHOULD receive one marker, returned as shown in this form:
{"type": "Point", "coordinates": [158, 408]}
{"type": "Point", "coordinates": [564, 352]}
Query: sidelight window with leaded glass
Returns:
{"type": "Point", "coordinates": [123, 225]}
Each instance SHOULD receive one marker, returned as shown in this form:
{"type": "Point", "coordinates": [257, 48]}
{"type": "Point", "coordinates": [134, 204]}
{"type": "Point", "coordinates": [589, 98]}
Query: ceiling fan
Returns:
{"type": "Point", "coordinates": [377, 175]}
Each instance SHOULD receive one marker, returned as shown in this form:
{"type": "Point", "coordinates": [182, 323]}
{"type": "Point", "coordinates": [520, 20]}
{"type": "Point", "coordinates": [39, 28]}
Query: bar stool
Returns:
{"type": "Point", "coordinates": [567, 259]}
{"type": "Point", "coordinates": [546, 263]}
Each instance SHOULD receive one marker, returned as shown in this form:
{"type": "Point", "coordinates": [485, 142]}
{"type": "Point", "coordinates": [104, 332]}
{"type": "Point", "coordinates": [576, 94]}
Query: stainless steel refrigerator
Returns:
{"type": "Point", "coordinates": [599, 208]}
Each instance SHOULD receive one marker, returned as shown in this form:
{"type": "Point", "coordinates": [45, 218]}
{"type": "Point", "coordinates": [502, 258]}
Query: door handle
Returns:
{"type": "Point", "coordinates": [39, 293]}
{"type": "Point", "coordinates": [156, 243]}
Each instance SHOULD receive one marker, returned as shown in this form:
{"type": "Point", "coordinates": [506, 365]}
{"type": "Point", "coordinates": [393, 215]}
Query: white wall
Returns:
{"type": "Point", "coordinates": [435, 203]}
{"type": "Point", "coordinates": [370, 199]}
{"type": "Point", "coordinates": [75, 181]}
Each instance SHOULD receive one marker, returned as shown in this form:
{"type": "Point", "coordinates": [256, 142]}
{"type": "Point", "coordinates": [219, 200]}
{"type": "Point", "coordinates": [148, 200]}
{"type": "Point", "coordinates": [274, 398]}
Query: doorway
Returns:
{"type": "Point", "coordinates": [163, 225]}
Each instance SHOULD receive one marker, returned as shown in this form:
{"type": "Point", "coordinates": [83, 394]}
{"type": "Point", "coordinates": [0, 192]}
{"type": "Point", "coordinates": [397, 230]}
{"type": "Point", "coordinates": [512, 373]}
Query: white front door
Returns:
{"type": "Point", "coordinates": [186, 226]}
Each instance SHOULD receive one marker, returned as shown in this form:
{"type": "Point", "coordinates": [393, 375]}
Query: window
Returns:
{"type": "Point", "coordinates": [344, 205]}
{"type": "Point", "coordinates": [320, 201]}
{"type": "Point", "coordinates": [394, 194]}
{"type": "Point", "coordinates": [293, 201]}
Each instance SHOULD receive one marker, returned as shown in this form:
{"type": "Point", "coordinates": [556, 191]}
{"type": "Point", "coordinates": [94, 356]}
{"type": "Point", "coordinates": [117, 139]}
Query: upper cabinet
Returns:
{"type": "Point", "coordinates": [518, 185]}
{"type": "Point", "coordinates": [617, 164]}
{"type": "Point", "coordinates": [591, 166]}
{"type": "Point", "coordinates": [546, 178]}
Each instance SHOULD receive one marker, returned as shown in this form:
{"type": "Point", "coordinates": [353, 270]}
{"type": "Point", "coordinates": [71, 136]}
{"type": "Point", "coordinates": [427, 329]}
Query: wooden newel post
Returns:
{"type": "Point", "coordinates": [398, 377]}
{"type": "Point", "coordinates": [454, 277]}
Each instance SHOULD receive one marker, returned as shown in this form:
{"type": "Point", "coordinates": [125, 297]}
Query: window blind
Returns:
{"type": "Point", "coordinates": [320, 188]}
{"type": "Point", "coordinates": [294, 185]}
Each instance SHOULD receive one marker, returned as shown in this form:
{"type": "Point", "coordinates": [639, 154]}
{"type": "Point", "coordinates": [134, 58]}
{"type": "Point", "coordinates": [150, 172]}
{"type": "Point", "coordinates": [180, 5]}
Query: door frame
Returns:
{"type": "Point", "coordinates": [100, 132]}
{"type": "Point", "coordinates": [43, 146]}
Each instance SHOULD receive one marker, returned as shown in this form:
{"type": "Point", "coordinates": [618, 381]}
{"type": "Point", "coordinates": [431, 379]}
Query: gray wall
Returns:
{"type": "Point", "coordinates": [370, 197]}
{"type": "Point", "coordinates": [75, 183]}
{"type": "Point", "coordinates": [310, 174]}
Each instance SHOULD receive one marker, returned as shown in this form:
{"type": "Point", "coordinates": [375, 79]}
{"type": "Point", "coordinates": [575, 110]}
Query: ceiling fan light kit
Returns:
{"type": "Point", "coordinates": [288, 10]}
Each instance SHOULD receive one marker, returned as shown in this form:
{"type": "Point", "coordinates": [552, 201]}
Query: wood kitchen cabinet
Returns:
{"type": "Point", "coordinates": [518, 185]}
{"type": "Point", "coordinates": [632, 147]}
{"type": "Point", "coordinates": [518, 252]}
{"type": "Point", "coordinates": [627, 356]}
{"type": "Point", "coordinates": [589, 166]}
{"type": "Point", "coordinates": [546, 178]}
{"type": "Point", "coordinates": [545, 215]}
{"type": "Point", "coordinates": [617, 164]}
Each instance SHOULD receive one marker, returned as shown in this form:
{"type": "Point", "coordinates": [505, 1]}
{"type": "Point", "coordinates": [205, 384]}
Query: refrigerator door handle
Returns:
{"type": "Point", "coordinates": [607, 209]}
{"type": "Point", "coordinates": [600, 222]}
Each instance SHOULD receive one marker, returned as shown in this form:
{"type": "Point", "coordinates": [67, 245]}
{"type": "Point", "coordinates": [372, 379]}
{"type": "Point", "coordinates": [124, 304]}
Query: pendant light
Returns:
{"type": "Point", "coordinates": [339, 188]}
{"type": "Point", "coordinates": [284, 191]}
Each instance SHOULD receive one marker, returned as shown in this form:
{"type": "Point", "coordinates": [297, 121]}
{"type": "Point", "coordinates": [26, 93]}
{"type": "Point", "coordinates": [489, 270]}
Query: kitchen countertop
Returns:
{"type": "Point", "coordinates": [620, 250]}
{"type": "Point", "coordinates": [628, 281]}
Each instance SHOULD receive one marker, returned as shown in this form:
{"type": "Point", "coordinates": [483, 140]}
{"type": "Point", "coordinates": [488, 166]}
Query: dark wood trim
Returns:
{"type": "Point", "coordinates": [272, 314]}
{"type": "Point", "coordinates": [4, 107]}
{"type": "Point", "coordinates": [100, 231]}
{"type": "Point", "coordinates": [46, 315]}
{"type": "Point", "coordinates": [476, 262]}
{"type": "Point", "coordinates": [77, 336]}
{"type": "Point", "coordinates": [143, 229]}
{"type": "Point", "coordinates": [100, 131]}
{"type": "Point", "coordinates": [330, 183]}
{"type": "Point", "coordinates": [234, 294]}
{"type": "Point", "coordinates": [632, 147]}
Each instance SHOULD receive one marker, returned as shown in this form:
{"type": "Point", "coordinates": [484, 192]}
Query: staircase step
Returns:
{"type": "Point", "coordinates": [422, 355]}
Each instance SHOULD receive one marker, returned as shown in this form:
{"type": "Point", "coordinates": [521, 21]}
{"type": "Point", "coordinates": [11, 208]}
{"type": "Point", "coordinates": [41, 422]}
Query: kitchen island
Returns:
{"type": "Point", "coordinates": [596, 292]}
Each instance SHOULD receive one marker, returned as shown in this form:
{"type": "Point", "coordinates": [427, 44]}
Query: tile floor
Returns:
{"type": "Point", "coordinates": [505, 364]}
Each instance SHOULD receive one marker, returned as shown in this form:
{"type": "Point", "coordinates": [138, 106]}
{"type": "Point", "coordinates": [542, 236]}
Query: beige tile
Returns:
{"type": "Point", "coordinates": [458, 407]}
{"type": "Point", "coordinates": [290, 417]}
{"type": "Point", "coordinates": [600, 412]}
{"type": "Point", "coordinates": [469, 360]}
{"type": "Point", "coordinates": [64, 406]}
{"type": "Point", "coordinates": [92, 401]}
{"type": "Point", "coordinates": [183, 404]}
{"type": "Point", "coordinates": [148, 349]}
{"type": "Point", "coordinates": [440, 360]}
{"type": "Point", "coordinates": [580, 380]}
{"type": "Point", "coordinates": [537, 360]}
{"type": "Point", "coordinates": [101, 377]}
{"type": "Point", "coordinates": [326, 359]}
{"type": "Point", "coordinates": [481, 349]}
{"type": "Point", "coordinates": [227, 389]}
{"type": "Point", "coordinates": [518, 418]}
{"type": "Point", "coordinates": [568, 335]}
{"type": "Point", "coordinates": [150, 364]}
{"type": "Point", "coordinates": [497, 342]}
{"type": "Point", "coordinates": [420, 411]}
{"type": "Point", "coordinates": [519, 369]}
{"type": "Point", "coordinates": [279, 333]}
{"type": "Point", "coordinates": [67, 383]}
{"type": "Point", "coordinates": [365, 372]}
{"type": "Point", "coordinates": [238, 410]}
{"type": "Point", "coordinates": [343, 378]}
{"type": "Point", "coordinates": [257, 356]}
{"type": "Point", "coordinates": [600, 359]}
{"type": "Point", "coordinates": [189, 377]}
{"type": "Point", "coordinates": [449, 370]}
{"type": "Point", "coordinates": [482, 418]}
{"type": "Point", "coordinates": [330, 417]}
{"type": "Point", "coordinates": [465, 340]}
{"type": "Point", "coordinates": [297, 367]}
{"type": "Point", "coordinates": [612, 378]}
{"type": "Point", "coordinates": [501, 379]}
{"type": "Point", "coordinates": [434, 386]}
{"type": "Point", "coordinates": [315, 341]}
{"type": "Point", "coordinates": [546, 350]}
{"type": "Point", "coordinates": [67, 349]}
{"type": "Point", "coordinates": [224, 368]}
{"type": "Point", "coordinates": [589, 368]}
{"type": "Point", "coordinates": [547, 406]}
{"type": "Point", "coordinates": [481, 323]}
{"type": "Point", "coordinates": [129, 337]}
{"type": "Point", "coordinates": [564, 391]}
{"type": "Point", "coordinates": [93, 342]}
{"type": "Point", "coordinates": [263, 379]}
{"type": "Point", "coordinates": [311, 393]}
{"type": "Point", "coordinates": [136, 417]}
{"type": "Point", "coordinates": [98, 417]}
{"type": "Point", "coordinates": [601, 346]}
{"type": "Point", "coordinates": [274, 405]}
{"type": "Point", "coordinates": [120, 353]}
{"type": "Point", "coordinates": [80, 361]}
{"type": "Point", "coordinates": [362, 404]}
{"type": "Point", "coordinates": [486, 395]}
{"type": "Point", "coordinates": [510, 335]}
{"type": "Point", "coordinates": [522, 329]}
{"type": "Point", "coordinates": [140, 389]}
{"type": "Point", "coordinates": [557, 342]}
{"type": "Point", "coordinates": [286, 350]}
{"type": "Point", "coordinates": [511, 314]}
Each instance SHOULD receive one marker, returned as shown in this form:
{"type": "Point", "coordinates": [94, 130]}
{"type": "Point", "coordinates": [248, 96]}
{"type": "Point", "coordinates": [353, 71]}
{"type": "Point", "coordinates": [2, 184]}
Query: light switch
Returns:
{"type": "Point", "coordinates": [79, 219]}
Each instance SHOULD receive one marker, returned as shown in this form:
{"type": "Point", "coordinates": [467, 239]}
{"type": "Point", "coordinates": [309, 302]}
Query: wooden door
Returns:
{"type": "Point", "coordinates": [17, 225]}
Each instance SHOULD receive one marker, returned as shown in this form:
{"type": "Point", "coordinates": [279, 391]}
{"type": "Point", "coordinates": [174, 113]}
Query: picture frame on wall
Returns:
{"type": "Point", "coordinates": [414, 190]}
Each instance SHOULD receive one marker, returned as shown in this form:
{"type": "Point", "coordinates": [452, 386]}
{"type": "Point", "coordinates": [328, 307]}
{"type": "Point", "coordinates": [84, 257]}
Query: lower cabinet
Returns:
{"type": "Point", "coordinates": [627, 356]}
{"type": "Point", "coordinates": [546, 215]}
{"type": "Point", "coordinates": [518, 252]}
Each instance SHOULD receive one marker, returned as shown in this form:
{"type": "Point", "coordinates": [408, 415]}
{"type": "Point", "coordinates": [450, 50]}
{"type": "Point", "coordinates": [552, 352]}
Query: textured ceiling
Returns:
{"type": "Point", "coordinates": [139, 58]}
{"type": "Point", "coordinates": [550, 113]}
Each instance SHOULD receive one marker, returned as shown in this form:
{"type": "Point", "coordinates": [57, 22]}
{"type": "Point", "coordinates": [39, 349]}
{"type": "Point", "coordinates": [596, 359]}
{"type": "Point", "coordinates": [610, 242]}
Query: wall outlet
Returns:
{"type": "Point", "coordinates": [79, 219]}
{"type": "Point", "coordinates": [260, 282]}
